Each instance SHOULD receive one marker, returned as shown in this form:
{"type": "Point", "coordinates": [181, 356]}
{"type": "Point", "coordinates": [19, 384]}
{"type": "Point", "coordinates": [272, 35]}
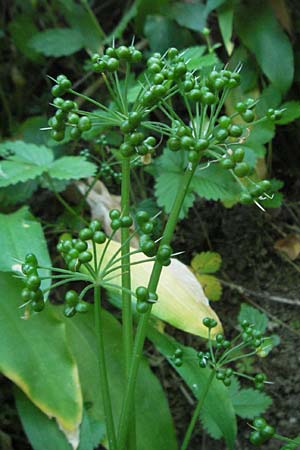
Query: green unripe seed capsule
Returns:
{"type": "Point", "coordinates": [81, 246]}
{"type": "Point", "coordinates": [142, 293]}
{"type": "Point", "coordinates": [142, 217]}
{"type": "Point", "coordinates": [256, 438]}
{"type": "Point", "coordinates": [25, 295]}
{"type": "Point", "coordinates": [142, 307]}
{"type": "Point", "coordinates": [84, 124]}
{"type": "Point", "coordinates": [259, 422]}
{"type": "Point", "coordinates": [178, 362]}
{"type": "Point", "coordinates": [235, 130]}
{"type": "Point", "coordinates": [57, 135]}
{"type": "Point", "coordinates": [193, 156]}
{"type": "Point", "coordinates": [267, 431]}
{"type": "Point", "coordinates": [33, 282]}
{"type": "Point", "coordinates": [126, 149]}
{"type": "Point", "coordinates": [239, 154]}
{"type": "Point", "coordinates": [67, 105]}
{"type": "Point", "coordinates": [201, 144]}
{"type": "Point", "coordinates": [126, 221]}
{"type": "Point", "coordinates": [71, 298]}
{"type": "Point", "coordinates": [224, 121]}
{"type": "Point", "coordinates": [227, 163]}
{"type": "Point", "coordinates": [37, 305]}
{"type": "Point", "coordinates": [174, 144]}
{"type": "Point", "coordinates": [187, 142]}
{"type": "Point", "coordinates": [95, 225]}
{"type": "Point", "coordinates": [73, 118]}
{"type": "Point", "coordinates": [266, 185]}
{"type": "Point", "coordinates": [69, 311]}
{"type": "Point", "coordinates": [75, 133]}
{"type": "Point", "coordinates": [248, 115]}
{"type": "Point", "coordinates": [134, 118]}
{"type": "Point", "coordinates": [112, 64]}
{"type": "Point", "coordinates": [99, 237]}
{"type": "Point", "coordinates": [123, 52]}
{"type": "Point", "coordinates": [195, 95]}
{"type": "Point", "coordinates": [209, 98]}
{"type": "Point", "coordinates": [136, 138]}
{"type": "Point", "coordinates": [114, 214]}
{"type": "Point", "coordinates": [241, 107]}
{"type": "Point", "coordinates": [57, 90]}
{"type": "Point", "coordinates": [219, 338]}
{"type": "Point", "coordinates": [208, 322]}
{"type": "Point", "coordinates": [31, 259]}
{"type": "Point", "coordinates": [221, 135]}
{"type": "Point", "coordinates": [85, 257]}
{"type": "Point", "coordinates": [178, 353]}
{"type": "Point", "coordinates": [58, 101]}
{"type": "Point", "coordinates": [241, 169]}
{"type": "Point", "coordinates": [73, 253]}
{"type": "Point", "coordinates": [85, 234]}
{"type": "Point", "coordinates": [115, 224]}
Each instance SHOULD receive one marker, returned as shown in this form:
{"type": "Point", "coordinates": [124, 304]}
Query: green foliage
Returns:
{"type": "Point", "coordinates": [22, 28]}
{"type": "Point", "coordinates": [154, 430]}
{"type": "Point", "coordinates": [211, 182]}
{"type": "Point", "coordinates": [261, 33]}
{"type": "Point", "coordinates": [34, 354]}
{"type": "Point", "coordinates": [253, 315]}
{"type": "Point", "coordinates": [57, 42]}
{"type": "Point", "coordinates": [163, 33]}
{"type": "Point", "coordinates": [218, 413]}
{"type": "Point", "coordinates": [29, 161]}
{"type": "Point", "coordinates": [20, 234]}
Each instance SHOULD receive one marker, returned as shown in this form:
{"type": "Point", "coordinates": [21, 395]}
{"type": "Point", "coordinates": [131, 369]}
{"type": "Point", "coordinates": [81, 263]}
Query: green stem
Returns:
{"type": "Point", "coordinates": [110, 429]}
{"type": "Point", "coordinates": [127, 328]}
{"type": "Point", "coordinates": [196, 413]}
{"type": "Point", "coordinates": [143, 322]}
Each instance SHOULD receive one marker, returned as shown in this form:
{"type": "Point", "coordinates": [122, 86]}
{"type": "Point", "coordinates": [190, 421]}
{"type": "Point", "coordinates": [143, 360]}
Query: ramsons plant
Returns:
{"type": "Point", "coordinates": [204, 136]}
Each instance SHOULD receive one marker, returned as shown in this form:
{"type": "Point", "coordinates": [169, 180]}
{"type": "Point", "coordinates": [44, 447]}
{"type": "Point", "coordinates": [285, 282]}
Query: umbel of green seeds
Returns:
{"type": "Point", "coordinates": [74, 305]}
{"type": "Point", "coordinates": [32, 293]}
{"type": "Point", "coordinates": [263, 432]}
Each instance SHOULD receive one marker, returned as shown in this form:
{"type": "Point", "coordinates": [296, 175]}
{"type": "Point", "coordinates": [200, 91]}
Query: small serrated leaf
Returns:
{"type": "Point", "coordinates": [72, 168]}
{"type": "Point", "coordinates": [20, 151]}
{"type": "Point", "coordinates": [215, 183]}
{"type": "Point", "coordinates": [253, 316]}
{"type": "Point", "coordinates": [57, 42]}
{"type": "Point", "coordinates": [12, 172]}
{"type": "Point", "coordinates": [207, 262]}
{"type": "Point", "coordinates": [249, 403]}
{"type": "Point", "coordinates": [211, 286]}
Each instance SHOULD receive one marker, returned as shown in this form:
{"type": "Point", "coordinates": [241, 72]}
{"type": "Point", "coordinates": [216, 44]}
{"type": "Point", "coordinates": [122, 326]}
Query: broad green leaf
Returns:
{"type": "Point", "coordinates": [163, 33]}
{"type": "Point", "coordinates": [270, 97]}
{"type": "Point", "coordinates": [211, 286]}
{"type": "Point", "coordinates": [181, 303]}
{"type": "Point", "coordinates": [261, 33]}
{"type": "Point", "coordinates": [20, 234]}
{"type": "Point", "coordinates": [80, 20]}
{"type": "Point", "coordinates": [146, 8]}
{"type": "Point", "coordinates": [291, 113]}
{"type": "Point", "coordinates": [194, 15]}
{"type": "Point", "coordinates": [72, 168]}
{"type": "Point", "coordinates": [217, 409]}
{"type": "Point", "coordinates": [225, 19]}
{"type": "Point", "coordinates": [253, 315]}
{"type": "Point", "coordinates": [190, 15]}
{"type": "Point", "coordinates": [248, 403]}
{"type": "Point", "coordinates": [43, 432]}
{"type": "Point", "coordinates": [57, 42]}
{"type": "Point", "coordinates": [154, 431]}
{"type": "Point", "coordinates": [22, 29]}
{"type": "Point", "coordinates": [34, 354]}
{"type": "Point", "coordinates": [206, 262]}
